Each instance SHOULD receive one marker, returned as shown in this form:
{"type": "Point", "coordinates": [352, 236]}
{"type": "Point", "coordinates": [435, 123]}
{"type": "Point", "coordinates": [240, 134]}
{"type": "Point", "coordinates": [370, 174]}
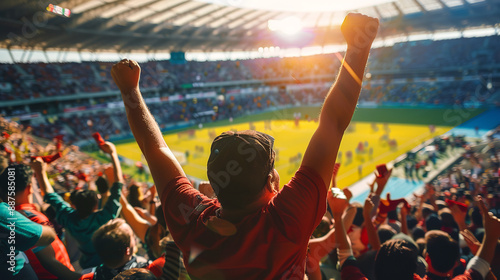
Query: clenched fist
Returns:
{"type": "Point", "coordinates": [126, 74]}
{"type": "Point", "coordinates": [359, 30]}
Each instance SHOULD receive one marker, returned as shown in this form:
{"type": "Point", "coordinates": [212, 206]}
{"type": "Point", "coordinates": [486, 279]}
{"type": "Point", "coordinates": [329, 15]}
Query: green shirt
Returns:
{"type": "Point", "coordinates": [82, 229]}
{"type": "Point", "coordinates": [17, 234]}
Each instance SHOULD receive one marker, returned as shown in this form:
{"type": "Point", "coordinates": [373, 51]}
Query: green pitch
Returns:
{"type": "Point", "coordinates": [292, 140]}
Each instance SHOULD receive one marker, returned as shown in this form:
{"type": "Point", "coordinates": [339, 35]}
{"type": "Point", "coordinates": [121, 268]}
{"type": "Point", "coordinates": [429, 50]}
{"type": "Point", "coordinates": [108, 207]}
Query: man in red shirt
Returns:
{"type": "Point", "coordinates": [50, 262]}
{"type": "Point", "coordinates": [252, 230]}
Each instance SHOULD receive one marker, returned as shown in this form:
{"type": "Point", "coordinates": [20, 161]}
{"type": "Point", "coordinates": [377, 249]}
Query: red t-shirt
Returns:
{"type": "Point", "coordinates": [269, 244]}
{"type": "Point", "coordinates": [61, 254]}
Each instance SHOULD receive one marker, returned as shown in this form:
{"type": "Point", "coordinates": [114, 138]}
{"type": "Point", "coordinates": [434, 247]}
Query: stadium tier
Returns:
{"type": "Point", "coordinates": [442, 73]}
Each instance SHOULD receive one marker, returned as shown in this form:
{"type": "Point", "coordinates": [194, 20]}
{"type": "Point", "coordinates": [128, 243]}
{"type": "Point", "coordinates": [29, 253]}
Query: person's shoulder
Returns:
{"type": "Point", "coordinates": [309, 176]}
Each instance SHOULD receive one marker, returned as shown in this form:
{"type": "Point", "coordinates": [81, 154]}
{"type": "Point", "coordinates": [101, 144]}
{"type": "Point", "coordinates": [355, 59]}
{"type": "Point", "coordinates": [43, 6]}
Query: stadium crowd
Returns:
{"type": "Point", "coordinates": [76, 218]}
{"type": "Point", "coordinates": [440, 230]}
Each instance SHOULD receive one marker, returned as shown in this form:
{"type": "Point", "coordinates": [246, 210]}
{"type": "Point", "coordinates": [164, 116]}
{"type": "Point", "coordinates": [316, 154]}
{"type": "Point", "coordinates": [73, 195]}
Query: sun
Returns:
{"type": "Point", "coordinates": [289, 25]}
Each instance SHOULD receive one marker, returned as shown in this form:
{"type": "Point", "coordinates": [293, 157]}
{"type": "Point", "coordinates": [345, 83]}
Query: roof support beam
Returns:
{"type": "Point", "coordinates": [169, 20]}
{"type": "Point", "coordinates": [141, 22]}
{"type": "Point", "coordinates": [93, 13]}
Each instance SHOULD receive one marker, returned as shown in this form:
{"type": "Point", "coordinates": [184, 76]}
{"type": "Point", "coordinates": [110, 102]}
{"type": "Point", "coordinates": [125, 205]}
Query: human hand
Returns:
{"type": "Point", "coordinates": [337, 201]}
{"type": "Point", "coordinates": [359, 30]}
{"type": "Point", "coordinates": [457, 213]}
{"type": "Point", "coordinates": [126, 75]}
{"type": "Point", "coordinates": [38, 165]}
{"type": "Point", "coordinates": [382, 181]}
{"type": "Point", "coordinates": [347, 193]}
{"type": "Point", "coordinates": [108, 148]}
{"type": "Point", "coordinates": [490, 222]}
{"type": "Point", "coordinates": [471, 240]}
{"type": "Point", "coordinates": [367, 208]}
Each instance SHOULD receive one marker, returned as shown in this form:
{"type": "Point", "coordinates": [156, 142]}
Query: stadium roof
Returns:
{"type": "Point", "coordinates": [219, 25]}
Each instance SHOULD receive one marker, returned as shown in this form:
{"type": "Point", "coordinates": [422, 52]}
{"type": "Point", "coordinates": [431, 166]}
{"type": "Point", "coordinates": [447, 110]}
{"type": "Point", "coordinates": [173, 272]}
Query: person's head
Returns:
{"type": "Point", "coordinates": [442, 252]}
{"type": "Point", "coordinates": [102, 185]}
{"type": "Point", "coordinates": [17, 178]}
{"type": "Point", "coordinates": [135, 274]}
{"type": "Point", "coordinates": [476, 217]}
{"type": "Point", "coordinates": [385, 232]}
{"type": "Point", "coordinates": [241, 168]}
{"type": "Point", "coordinates": [322, 229]}
{"type": "Point", "coordinates": [433, 222]}
{"type": "Point", "coordinates": [396, 259]}
{"type": "Point", "coordinates": [135, 196]}
{"type": "Point", "coordinates": [85, 202]}
{"type": "Point", "coordinates": [358, 218]}
{"type": "Point", "coordinates": [114, 242]}
{"type": "Point", "coordinates": [418, 233]}
{"type": "Point", "coordinates": [393, 215]}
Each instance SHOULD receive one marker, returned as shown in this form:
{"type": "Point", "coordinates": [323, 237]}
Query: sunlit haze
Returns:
{"type": "Point", "coordinates": [299, 6]}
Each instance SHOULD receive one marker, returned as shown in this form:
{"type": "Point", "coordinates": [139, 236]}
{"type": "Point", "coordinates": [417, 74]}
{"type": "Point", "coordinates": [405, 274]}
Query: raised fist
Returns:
{"type": "Point", "coordinates": [38, 165]}
{"type": "Point", "coordinates": [359, 30]}
{"type": "Point", "coordinates": [126, 74]}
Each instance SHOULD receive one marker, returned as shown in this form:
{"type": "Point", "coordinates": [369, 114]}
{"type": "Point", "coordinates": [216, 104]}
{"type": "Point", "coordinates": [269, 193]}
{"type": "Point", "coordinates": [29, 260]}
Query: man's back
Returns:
{"type": "Point", "coordinates": [268, 244]}
{"type": "Point", "coordinates": [82, 229]}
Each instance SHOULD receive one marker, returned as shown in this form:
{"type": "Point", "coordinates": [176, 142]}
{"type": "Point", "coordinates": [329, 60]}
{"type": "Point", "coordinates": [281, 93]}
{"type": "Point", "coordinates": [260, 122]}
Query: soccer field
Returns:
{"type": "Point", "coordinates": [292, 139]}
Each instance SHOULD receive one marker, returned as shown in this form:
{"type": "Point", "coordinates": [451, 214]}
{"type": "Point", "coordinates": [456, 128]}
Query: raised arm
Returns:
{"type": "Point", "coordinates": [359, 32]}
{"type": "Point", "coordinates": [373, 238]}
{"type": "Point", "coordinates": [162, 162]}
{"type": "Point", "coordinates": [109, 148]}
{"type": "Point", "coordinates": [139, 225]}
{"type": "Point", "coordinates": [338, 205]}
{"type": "Point", "coordinates": [40, 169]}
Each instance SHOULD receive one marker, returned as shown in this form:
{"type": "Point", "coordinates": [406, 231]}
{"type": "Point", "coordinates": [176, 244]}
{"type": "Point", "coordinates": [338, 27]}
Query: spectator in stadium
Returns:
{"type": "Point", "coordinates": [442, 254]}
{"type": "Point", "coordinates": [51, 262]}
{"type": "Point", "coordinates": [28, 236]}
{"type": "Point", "coordinates": [250, 217]}
{"type": "Point", "coordinates": [103, 189]}
{"type": "Point", "coordinates": [397, 259]}
{"type": "Point", "coordinates": [115, 244]}
{"type": "Point", "coordinates": [84, 218]}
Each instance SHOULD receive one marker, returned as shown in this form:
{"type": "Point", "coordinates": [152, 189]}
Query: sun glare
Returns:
{"type": "Point", "coordinates": [289, 25]}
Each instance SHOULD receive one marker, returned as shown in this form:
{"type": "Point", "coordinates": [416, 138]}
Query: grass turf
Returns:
{"type": "Point", "coordinates": [408, 126]}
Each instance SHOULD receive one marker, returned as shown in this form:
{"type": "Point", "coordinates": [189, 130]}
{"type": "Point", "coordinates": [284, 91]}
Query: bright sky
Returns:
{"type": "Point", "coordinates": [299, 5]}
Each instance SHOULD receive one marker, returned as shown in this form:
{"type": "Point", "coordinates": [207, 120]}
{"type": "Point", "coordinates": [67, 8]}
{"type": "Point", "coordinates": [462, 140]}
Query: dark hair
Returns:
{"type": "Point", "coordinates": [85, 202]}
{"type": "Point", "coordinates": [443, 251]}
{"type": "Point", "coordinates": [135, 196]}
{"type": "Point", "coordinates": [102, 185]}
{"type": "Point", "coordinates": [385, 232]}
{"type": "Point", "coordinates": [433, 222]}
{"type": "Point", "coordinates": [111, 242]}
{"type": "Point", "coordinates": [411, 222]}
{"type": "Point", "coordinates": [358, 218]}
{"type": "Point", "coordinates": [393, 215]}
{"type": "Point", "coordinates": [322, 228]}
{"type": "Point", "coordinates": [396, 259]}
{"type": "Point", "coordinates": [417, 233]}
{"type": "Point", "coordinates": [476, 217]}
{"type": "Point", "coordinates": [239, 165]}
{"type": "Point", "coordinates": [20, 174]}
{"type": "Point", "coordinates": [135, 274]}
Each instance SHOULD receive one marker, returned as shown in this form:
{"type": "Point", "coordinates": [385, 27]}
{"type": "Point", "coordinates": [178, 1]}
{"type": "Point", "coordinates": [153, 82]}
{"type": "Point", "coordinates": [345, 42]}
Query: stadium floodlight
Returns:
{"type": "Point", "coordinates": [289, 25]}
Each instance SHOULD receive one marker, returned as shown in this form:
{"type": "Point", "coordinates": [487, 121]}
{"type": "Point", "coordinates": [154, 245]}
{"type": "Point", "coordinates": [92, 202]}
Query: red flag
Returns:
{"type": "Point", "coordinates": [49, 159]}
{"type": "Point", "coordinates": [98, 138]}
